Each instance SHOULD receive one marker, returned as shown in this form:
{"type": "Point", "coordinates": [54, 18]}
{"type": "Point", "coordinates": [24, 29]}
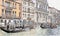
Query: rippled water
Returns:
{"type": "Point", "coordinates": [34, 32]}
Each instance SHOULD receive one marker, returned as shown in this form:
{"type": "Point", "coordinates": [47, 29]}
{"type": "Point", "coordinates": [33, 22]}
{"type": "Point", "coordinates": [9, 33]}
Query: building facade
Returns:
{"type": "Point", "coordinates": [34, 10]}
{"type": "Point", "coordinates": [28, 9]}
{"type": "Point", "coordinates": [54, 15]}
{"type": "Point", "coordinates": [41, 11]}
{"type": "Point", "coordinates": [10, 8]}
{"type": "Point", "coordinates": [58, 17]}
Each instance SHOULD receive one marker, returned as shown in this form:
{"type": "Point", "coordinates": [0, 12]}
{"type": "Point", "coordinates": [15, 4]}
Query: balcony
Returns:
{"type": "Point", "coordinates": [9, 8]}
{"type": "Point", "coordinates": [8, 16]}
{"type": "Point", "coordinates": [12, 0]}
{"type": "Point", "coordinates": [8, 5]}
{"type": "Point", "coordinates": [26, 0]}
{"type": "Point", "coordinates": [28, 18]}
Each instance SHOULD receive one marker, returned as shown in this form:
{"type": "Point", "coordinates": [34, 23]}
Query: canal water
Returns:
{"type": "Point", "coordinates": [34, 32]}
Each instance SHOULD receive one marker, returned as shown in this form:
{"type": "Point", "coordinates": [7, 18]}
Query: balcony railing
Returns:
{"type": "Point", "coordinates": [12, 0]}
{"type": "Point", "coordinates": [6, 16]}
{"type": "Point", "coordinates": [9, 8]}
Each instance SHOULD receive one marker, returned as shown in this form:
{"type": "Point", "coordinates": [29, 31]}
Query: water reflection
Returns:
{"type": "Point", "coordinates": [34, 32]}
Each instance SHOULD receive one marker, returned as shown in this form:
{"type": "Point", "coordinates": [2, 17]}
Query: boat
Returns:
{"type": "Point", "coordinates": [53, 26]}
{"type": "Point", "coordinates": [48, 26]}
{"type": "Point", "coordinates": [10, 26]}
{"type": "Point", "coordinates": [42, 26]}
{"type": "Point", "coordinates": [14, 30]}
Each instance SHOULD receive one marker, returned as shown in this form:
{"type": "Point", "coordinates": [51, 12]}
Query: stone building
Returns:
{"type": "Point", "coordinates": [41, 11]}
{"type": "Point", "coordinates": [28, 11]}
{"type": "Point", "coordinates": [10, 8]}
{"type": "Point", "coordinates": [54, 15]}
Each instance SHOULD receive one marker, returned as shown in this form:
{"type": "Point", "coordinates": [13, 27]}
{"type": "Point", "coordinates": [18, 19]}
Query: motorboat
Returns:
{"type": "Point", "coordinates": [48, 26]}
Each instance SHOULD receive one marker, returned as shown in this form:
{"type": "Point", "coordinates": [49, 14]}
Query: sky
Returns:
{"type": "Point", "coordinates": [54, 3]}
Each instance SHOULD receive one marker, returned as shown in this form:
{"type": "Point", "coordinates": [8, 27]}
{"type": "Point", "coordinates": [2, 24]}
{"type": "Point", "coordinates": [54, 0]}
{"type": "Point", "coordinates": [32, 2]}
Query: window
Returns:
{"type": "Point", "coordinates": [9, 20]}
{"type": "Point", "coordinates": [1, 20]}
{"type": "Point", "coordinates": [7, 11]}
{"type": "Point", "coordinates": [32, 16]}
{"type": "Point", "coordinates": [14, 14]}
{"type": "Point", "coordinates": [32, 10]}
{"type": "Point", "coordinates": [29, 10]}
{"type": "Point", "coordinates": [33, 4]}
{"type": "Point", "coordinates": [24, 9]}
{"type": "Point", "coordinates": [45, 6]}
{"type": "Point", "coordinates": [7, 4]}
{"type": "Point", "coordinates": [12, 0]}
{"type": "Point", "coordinates": [20, 6]}
{"type": "Point", "coordinates": [2, 12]}
{"type": "Point", "coordinates": [24, 2]}
{"type": "Point", "coordinates": [15, 21]}
{"type": "Point", "coordinates": [24, 14]}
{"type": "Point", "coordinates": [20, 21]}
{"type": "Point", "coordinates": [14, 4]}
{"type": "Point", "coordinates": [24, 21]}
{"type": "Point", "coordinates": [38, 6]}
{"type": "Point", "coordinates": [2, 2]}
{"type": "Point", "coordinates": [28, 15]}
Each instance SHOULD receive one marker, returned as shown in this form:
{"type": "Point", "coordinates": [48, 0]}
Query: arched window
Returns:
{"type": "Point", "coordinates": [1, 20]}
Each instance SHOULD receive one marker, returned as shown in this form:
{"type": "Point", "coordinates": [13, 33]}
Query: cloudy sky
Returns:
{"type": "Point", "coordinates": [54, 3]}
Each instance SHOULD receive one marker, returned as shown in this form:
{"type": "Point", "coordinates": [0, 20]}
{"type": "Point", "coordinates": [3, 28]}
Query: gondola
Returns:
{"type": "Point", "coordinates": [12, 31]}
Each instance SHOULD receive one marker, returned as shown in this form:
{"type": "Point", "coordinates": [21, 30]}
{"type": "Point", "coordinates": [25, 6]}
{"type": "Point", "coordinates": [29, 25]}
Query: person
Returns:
{"type": "Point", "coordinates": [7, 27]}
{"type": "Point", "coordinates": [23, 27]}
{"type": "Point", "coordinates": [41, 25]}
{"type": "Point", "coordinates": [5, 22]}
